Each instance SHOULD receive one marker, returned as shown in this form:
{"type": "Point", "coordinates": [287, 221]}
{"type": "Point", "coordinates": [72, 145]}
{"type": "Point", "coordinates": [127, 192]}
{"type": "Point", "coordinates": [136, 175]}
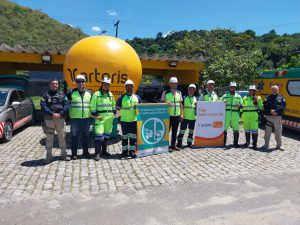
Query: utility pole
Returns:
{"type": "Point", "coordinates": [117, 27]}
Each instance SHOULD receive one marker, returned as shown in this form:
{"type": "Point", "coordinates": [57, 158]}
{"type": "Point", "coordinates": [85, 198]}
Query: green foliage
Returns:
{"type": "Point", "coordinates": [230, 57]}
{"type": "Point", "coordinates": [27, 27]}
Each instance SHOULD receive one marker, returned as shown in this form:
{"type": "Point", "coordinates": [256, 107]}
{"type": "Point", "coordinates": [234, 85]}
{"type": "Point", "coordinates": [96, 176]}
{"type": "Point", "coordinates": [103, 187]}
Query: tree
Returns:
{"type": "Point", "coordinates": [225, 63]}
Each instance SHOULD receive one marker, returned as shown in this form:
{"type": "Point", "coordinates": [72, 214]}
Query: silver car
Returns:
{"type": "Point", "coordinates": [16, 110]}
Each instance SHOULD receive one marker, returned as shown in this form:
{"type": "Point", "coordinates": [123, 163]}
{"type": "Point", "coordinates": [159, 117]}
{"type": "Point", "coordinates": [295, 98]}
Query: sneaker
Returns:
{"type": "Point", "coordinates": [66, 158]}
{"type": "Point", "coordinates": [280, 148]}
{"type": "Point", "coordinates": [132, 154]}
{"type": "Point", "coordinates": [190, 146]}
{"type": "Point", "coordinates": [97, 157]}
{"type": "Point", "coordinates": [265, 147]}
{"type": "Point", "coordinates": [74, 157]}
{"type": "Point", "coordinates": [47, 160]}
{"type": "Point", "coordinates": [170, 149]}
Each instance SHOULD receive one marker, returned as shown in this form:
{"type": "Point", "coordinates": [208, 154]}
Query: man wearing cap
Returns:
{"type": "Point", "coordinates": [126, 103]}
{"type": "Point", "coordinates": [251, 105]}
{"type": "Point", "coordinates": [233, 103]}
{"type": "Point", "coordinates": [274, 106]}
{"type": "Point", "coordinates": [102, 110]}
{"type": "Point", "coordinates": [209, 94]}
{"type": "Point", "coordinates": [189, 116]}
{"type": "Point", "coordinates": [55, 106]}
{"type": "Point", "coordinates": [80, 113]}
{"type": "Point", "coordinates": [174, 98]}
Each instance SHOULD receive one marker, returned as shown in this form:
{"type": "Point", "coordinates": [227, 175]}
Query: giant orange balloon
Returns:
{"type": "Point", "coordinates": [103, 56]}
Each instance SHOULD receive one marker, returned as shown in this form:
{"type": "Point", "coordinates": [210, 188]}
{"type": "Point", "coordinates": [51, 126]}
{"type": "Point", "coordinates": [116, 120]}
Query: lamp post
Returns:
{"type": "Point", "coordinates": [117, 27]}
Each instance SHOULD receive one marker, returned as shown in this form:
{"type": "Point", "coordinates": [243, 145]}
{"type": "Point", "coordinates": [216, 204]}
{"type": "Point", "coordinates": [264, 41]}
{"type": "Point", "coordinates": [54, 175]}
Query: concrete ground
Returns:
{"type": "Point", "coordinates": [193, 186]}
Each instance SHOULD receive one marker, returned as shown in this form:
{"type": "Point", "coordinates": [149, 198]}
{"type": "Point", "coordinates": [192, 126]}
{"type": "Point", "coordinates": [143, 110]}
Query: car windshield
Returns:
{"type": "Point", "coordinates": [3, 96]}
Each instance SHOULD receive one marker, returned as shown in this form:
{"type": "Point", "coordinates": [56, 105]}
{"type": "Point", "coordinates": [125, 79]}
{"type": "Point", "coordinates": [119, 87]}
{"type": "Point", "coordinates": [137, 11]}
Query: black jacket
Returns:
{"type": "Point", "coordinates": [275, 102]}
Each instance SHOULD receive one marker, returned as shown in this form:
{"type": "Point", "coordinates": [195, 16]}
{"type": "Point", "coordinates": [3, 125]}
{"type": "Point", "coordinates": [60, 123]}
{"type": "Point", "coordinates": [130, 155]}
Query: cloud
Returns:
{"type": "Point", "coordinates": [167, 34]}
{"type": "Point", "coordinates": [96, 29]}
{"type": "Point", "coordinates": [112, 12]}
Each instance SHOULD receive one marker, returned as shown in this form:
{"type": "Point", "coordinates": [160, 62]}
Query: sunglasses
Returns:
{"type": "Point", "coordinates": [80, 81]}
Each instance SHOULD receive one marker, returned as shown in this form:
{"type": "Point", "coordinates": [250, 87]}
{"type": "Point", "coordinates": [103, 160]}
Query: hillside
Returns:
{"type": "Point", "coordinates": [27, 27]}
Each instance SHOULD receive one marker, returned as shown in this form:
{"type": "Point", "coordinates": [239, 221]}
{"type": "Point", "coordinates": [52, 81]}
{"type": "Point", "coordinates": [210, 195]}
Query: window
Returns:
{"type": "Point", "coordinates": [22, 95]}
{"type": "Point", "coordinates": [3, 96]}
{"type": "Point", "coordinates": [14, 97]}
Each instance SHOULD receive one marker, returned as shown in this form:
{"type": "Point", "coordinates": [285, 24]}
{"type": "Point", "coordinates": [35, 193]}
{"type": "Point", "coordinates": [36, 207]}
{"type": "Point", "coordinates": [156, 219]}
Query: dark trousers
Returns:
{"type": "Point", "coordinates": [128, 133]}
{"type": "Point", "coordinates": [174, 124]}
{"type": "Point", "coordinates": [183, 126]}
{"type": "Point", "coordinates": [80, 126]}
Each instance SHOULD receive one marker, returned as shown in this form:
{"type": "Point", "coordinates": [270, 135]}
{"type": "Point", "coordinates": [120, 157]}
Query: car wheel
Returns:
{"type": "Point", "coordinates": [8, 131]}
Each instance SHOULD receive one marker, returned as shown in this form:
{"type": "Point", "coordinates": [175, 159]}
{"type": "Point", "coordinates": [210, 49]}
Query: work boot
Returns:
{"type": "Point", "coordinates": [175, 148]}
{"type": "Point", "coordinates": [254, 140]}
{"type": "Point", "coordinates": [124, 154]}
{"type": "Point", "coordinates": [236, 139]}
{"type": "Point", "coordinates": [86, 154]}
{"type": "Point", "coordinates": [225, 137]}
{"type": "Point", "coordinates": [104, 149]}
{"type": "Point", "coordinates": [98, 146]}
{"type": "Point", "coordinates": [132, 154]}
{"type": "Point", "coordinates": [247, 135]}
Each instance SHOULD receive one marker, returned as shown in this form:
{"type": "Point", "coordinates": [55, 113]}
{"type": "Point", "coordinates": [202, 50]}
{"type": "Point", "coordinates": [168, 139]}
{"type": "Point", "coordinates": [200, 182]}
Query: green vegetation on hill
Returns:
{"type": "Point", "coordinates": [231, 56]}
{"type": "Point", "coordinates": [27, 27]}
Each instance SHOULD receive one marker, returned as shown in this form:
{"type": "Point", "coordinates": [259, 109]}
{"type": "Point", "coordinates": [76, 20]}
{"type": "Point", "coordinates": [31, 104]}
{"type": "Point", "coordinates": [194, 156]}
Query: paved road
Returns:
{"type": "Point", "coordinates": [271, 199]}
{"type": "Point", "coordinates": [25, 181]}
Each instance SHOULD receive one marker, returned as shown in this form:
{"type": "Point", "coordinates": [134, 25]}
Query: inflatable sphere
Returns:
{"type": "Point", "coordinates": [103, 56]}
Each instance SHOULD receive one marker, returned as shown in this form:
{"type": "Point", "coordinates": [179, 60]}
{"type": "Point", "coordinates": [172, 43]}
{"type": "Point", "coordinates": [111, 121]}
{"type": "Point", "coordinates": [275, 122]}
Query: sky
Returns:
{"type": "Point", "coordinates": [145, 19]}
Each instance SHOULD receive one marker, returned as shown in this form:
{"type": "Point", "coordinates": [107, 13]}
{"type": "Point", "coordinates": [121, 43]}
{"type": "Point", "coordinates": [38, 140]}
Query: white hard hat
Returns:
{"type": "Point", "coordinates": [173, 80]}
{"type": "Point", "coordinates": [192, 86]}
{"type": "Point", "coordinates": [80, 77]}
{"type": "Point", "coordinates": [252, 87]}
{"type": "Point", "coordinates": [128, 82]}
{"type": "Point", "coordinates": [232, 84]}
{"type": "Point", "coordinates": [210, 82]}
{"type": "Point", "coordinates": [106, 80]}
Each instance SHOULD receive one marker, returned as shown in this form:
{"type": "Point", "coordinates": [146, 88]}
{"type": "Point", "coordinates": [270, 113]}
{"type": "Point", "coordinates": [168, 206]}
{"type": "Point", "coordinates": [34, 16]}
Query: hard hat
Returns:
{"type": "Point", "coordinates": [128, 82]}
{"type": "Point", "coordinates": [80, 77]}
{"type": "Point", "coordinates": [192, 86]}
{"type": "Point", "coordinates": [106, 80]}
{"type": "Point", "coordinates": [210, 82]}
{"type": "Point", "coordinates": [252, 87]}
{"type": "Point", "coordinates": [232, 84]}
{"type": "Point", "coordinates": [173, 80]}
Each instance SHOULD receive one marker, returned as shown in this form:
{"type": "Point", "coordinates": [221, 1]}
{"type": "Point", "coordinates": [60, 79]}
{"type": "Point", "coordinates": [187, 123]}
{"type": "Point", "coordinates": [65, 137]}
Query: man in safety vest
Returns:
{"type": "Point", "coordinates": [126, 103]}
{"type": "Point", "coordinates": [209, 94]}
{"type": "Point", "coordinates": [189, 116]}
{"type": "Point", "coordinates": [174, 98]}
{"type": "Point", "coordinates": [251, 105]}
{"type": "Point", "coordinates": [102, 109]}
{"type": "Point", "coordinates": [80, 114]}
{"type": "Point", "coordinates": [233, 103]}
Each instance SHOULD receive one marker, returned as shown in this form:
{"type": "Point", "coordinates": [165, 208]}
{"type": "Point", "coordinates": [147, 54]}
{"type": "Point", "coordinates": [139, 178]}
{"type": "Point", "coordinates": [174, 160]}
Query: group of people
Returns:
{"type": "Point", "coordinates": [183, 110]}
{"type": "Point", "coordinates": [85, 108]}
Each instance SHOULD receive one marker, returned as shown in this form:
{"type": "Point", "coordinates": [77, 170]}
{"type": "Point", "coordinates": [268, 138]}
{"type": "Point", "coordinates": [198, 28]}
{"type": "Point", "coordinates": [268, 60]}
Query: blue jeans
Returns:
{"type": "Point", "coordinates": [80, 126]}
